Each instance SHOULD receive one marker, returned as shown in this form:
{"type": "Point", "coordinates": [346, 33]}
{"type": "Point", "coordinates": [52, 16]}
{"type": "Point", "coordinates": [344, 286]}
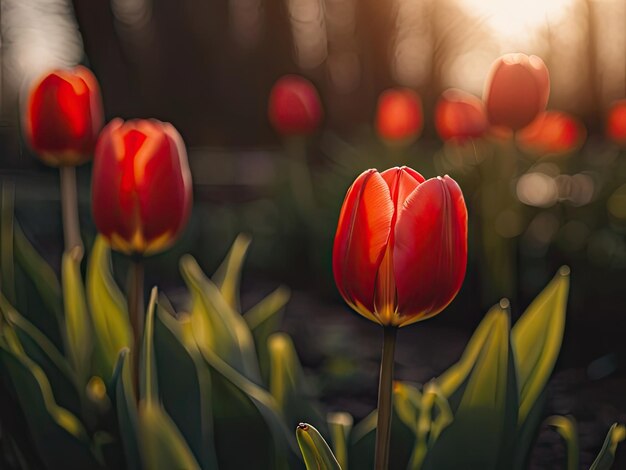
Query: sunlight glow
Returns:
{"type": "Point", "coordinates": [514, 19]}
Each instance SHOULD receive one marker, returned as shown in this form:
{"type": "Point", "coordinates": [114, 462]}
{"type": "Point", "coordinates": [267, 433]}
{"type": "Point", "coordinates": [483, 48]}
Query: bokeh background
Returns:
{"type": "Point", "coordinates": [208, 67]}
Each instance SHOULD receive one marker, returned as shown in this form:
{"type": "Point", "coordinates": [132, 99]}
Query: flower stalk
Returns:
{"type": "Point", "coordinates": [136, 309]}
{"type": "Point", "coordinates": [69, 208]}
{"type": "Point", "coordinates": [385, 398]}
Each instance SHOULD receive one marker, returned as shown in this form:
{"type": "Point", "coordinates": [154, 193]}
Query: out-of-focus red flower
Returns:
{"type": "Point", "coordinates": [63, 116]}
{"type": "Point", "coordinates": [616, 122]}
{"type": "Point", "coordinates": [141, 185]}
{"type": "Point", "coordinates": [294, 106]}
{"type": "Point", "coordinates": [552, 133]}
{"type": "Point", "coordinates": [399, 115]}
{"type": "Point", "coordinates": [400, 249]}
{"type": "Point", "coordinates": [517, 89]}
{"type": "Point", "coordinates": [460, 116]}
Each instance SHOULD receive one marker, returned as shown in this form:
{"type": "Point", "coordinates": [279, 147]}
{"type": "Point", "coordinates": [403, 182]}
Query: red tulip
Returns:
{"type": "Point", "coordinates": [517, 90]}
{"type": "Point", "coordinates": [616, 123]}
{"type": "Point", "coordinates": [460, 116]}
{"type": "Point", "coordinates": [63, 116]}
{"type": "Point", "coordinates": [399, 115]}
{"type": "Point", "coordinates": [552, 133]}
{"type": "Point", "coordinates": [141, 189]}
{"type": "Point", "coordinates": [294, 106]}
{"type": "Point", "coordinates": [401, 245]}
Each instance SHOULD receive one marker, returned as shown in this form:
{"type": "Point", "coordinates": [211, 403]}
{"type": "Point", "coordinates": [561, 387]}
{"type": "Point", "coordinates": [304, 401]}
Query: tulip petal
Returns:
{"type": "Point", "coordinates": [361, 239]}
{"type": "Point", "coordinates": [430, 249]}
{"type": "Point", "coordinates": [402, 182]}
{"type": "Point", "coordinates": [111, 217]}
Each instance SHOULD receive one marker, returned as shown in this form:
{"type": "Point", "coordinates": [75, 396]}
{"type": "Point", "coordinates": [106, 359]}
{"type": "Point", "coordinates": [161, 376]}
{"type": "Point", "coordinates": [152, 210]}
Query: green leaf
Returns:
{"type": "Point", "coordinates": [536, 341]}
{"type": "Point", "coordinates": [59, 436]}
{"type": "Point", "coordinates": [425, 414]}
{"type": "Point", "coordinates": [244, 412]}
{"type": "Point", "coordinates": [148, 383]}
{"type": "Point", "coordinates": [40, 349]}
{"type": "Point", "coordinates": [340, 425]}
{"type": "Point", "coordinates": [485, 399]}
{"type": "Point", "coordinates": [604, 460]}
{"type": "Point", "coordinates": [286, 382]}
{"type": "Point", "coordinates": [317, 455]}
{"type": "Point", "coordinates": [46, 285]}
{"type": "Point", "coordinates": [162, 445]}
{"type": "Point", "coordinates": [107, 305]}
{"type": "Point", "coordinates": [228, 276]}
{"type": "Point", "coordinates": [216, 326]}
{"type": "Point", "coordinates": [264, 319]}
{"type": "Point", "coordinates": [126, 405]}
{"type": "Point", "coordinates": [566, 427]}
{"type": "Point", "coordinates": [7, 265]}
{"type": "Point", "coordinates": [189, 406]}
{"type": "Point", "coordinates": [77, 324]}
{"type": "Point", "coordinates": [407, 403]}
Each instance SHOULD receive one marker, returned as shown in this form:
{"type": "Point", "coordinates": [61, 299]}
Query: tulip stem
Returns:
{"type": "Point", "coordinates": [69, 208]}
{"type": "Point", "coordinates": [300, 176]}
{"type": "Point", "coordinates": [136, 310]}
{"type": "Point", "coordinates": [385, 398]}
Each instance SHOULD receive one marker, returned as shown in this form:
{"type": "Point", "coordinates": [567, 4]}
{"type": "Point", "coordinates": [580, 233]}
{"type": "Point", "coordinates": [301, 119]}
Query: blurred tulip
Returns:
{"type": "Point", "coordinates": [63, 116]}
{"type": "Point", "coordinates": [141, 185]}
{"type": "Point", "coordinates": [517, 89]}
{"type": "Point", "coordinates": [400, 249]}
{"type": "Point", "coordinates": [460, 116]}
{"type": "Point", "coordinates": [294, 106]}
{"type": "Point", "coordinates": [399, 115]}
{"type": "Point", "coordinates": [616, 122]}
{"type": "Point", "coordinates": [552, 133]}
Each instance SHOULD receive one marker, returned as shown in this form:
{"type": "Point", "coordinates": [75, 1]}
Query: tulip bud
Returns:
{"type": "Point", "coordinates": [517, 89]}
{"type": "Point", "coordinates": [460, 116]}
{"type": "Point", "coordinates": [63, 116]}
{"type": "Point", "coordinates": [294, 106]}
{"type": "Point", "coordinates": [616, 123]}
{"type": "Point", "coordinates": [141, 185]}
{"type": "Point", "coordinates": [400, 249]}
{"type": "Point", "coordinates": [552, 133]}
{"type": "Point", "coordinates": [399, 116]}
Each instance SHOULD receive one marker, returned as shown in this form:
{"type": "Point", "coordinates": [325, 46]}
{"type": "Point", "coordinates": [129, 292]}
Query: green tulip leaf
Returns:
{"type": "Point", "coordinates": [340, 425]}
{"type": "Point", "coordinates": [242, 411]}
{"type": "Point", "coordinates": [264, 319]}
{"type": "Point", "coordinates": [107, 305]}
{"type": "Point", "coordinates": [7, 265]}
{"type": "Point", "coordinates": [604, 460]}
{"type": "Point", "coordinates": [536, 341]}
{"type": "Point", "coordinates": [126, 405]}
{"type": "Point", "coordinates": [246, 413]}
{"type": "Point", "coordinates": [46, 284]}
{"type": "Point", "coordinates": [425, 414]}
{"type": "Point", "coordinates": [78, 343]}
{"type": "Point", "coordinates": [189, 406]}
{"type": "Point", "coordinates": [407, 402]}
{"type": "Point", "coordinates": [217, 327]}
{"type": "Point", "coordinates": [315, 451]}
{"type": "Point", "coordinates": [286, 382]}
{"type": "Point", "coordinates": [228, 276]}
{"type": "Point", "coordinates": [40, 349]}
{"type": "Point", "coordinates": [162, 445]}
{"type": "Point", "coordinates": [485, 399]}
{"type": "Point", "coordinates": [566, 427]}
{"type": "Point", "coordinates": [59, 436]}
